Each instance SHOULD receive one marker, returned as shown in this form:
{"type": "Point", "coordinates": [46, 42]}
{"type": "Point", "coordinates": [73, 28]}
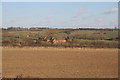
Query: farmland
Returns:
{"type": "Point", "coordinates": [59, 62]}
{"type": "Point", "coordinates": [57, 39]}
{"type": "Point", "coordinates": [60, 53]}
{"type": "Point", "coordinates": [99, 38]}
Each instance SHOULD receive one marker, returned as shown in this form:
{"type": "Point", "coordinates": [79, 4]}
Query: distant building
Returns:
{"type": "Point", "coordinates": [57, 41]}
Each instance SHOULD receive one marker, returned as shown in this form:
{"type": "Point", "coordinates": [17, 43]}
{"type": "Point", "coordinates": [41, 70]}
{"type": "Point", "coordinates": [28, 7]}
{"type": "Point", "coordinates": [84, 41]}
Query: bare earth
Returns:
{"type": "Point", "coordinates": [60, 62]}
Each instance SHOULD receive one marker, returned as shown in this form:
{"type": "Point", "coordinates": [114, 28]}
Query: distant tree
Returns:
{"type": "Point", "coordinates": [67, 32]}
{"type": "Point", "coordinates": [116, 28]}
{"type": "Point", "coordinates": [51, 40]}
{"type": "Point", "coordinates": [67, 38]}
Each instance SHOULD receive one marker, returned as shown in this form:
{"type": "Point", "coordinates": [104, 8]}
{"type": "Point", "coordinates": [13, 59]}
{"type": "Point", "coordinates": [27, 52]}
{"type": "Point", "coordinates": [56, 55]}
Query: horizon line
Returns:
{"type": "Point", "coordinates": [62, 27]}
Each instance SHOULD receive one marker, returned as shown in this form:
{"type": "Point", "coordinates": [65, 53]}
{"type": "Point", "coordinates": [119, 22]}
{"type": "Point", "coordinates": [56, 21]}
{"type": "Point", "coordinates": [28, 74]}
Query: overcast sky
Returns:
{"type": "Point", "coordinates": [60, 14]}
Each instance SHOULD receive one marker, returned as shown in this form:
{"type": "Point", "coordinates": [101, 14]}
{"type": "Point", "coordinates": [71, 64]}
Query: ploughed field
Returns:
{"type": "Point", "coordinates": [59, 62]}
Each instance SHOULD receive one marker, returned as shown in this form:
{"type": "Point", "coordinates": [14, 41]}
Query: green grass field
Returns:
{"type": "Point", "coordinates": [109, 38]}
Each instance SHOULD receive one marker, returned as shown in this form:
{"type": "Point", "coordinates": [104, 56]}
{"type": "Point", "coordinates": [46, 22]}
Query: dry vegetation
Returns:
{"type": "Point", "coordinates": [60, 62]}
{"type": "Point", "coordinates": [99, 38]}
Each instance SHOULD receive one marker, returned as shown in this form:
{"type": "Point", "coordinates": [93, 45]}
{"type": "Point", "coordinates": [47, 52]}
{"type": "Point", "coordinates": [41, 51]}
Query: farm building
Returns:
{"type": "Point", "coordinates": [59, 40]}
{"type": "Point", "coordinates": [56, 41]}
